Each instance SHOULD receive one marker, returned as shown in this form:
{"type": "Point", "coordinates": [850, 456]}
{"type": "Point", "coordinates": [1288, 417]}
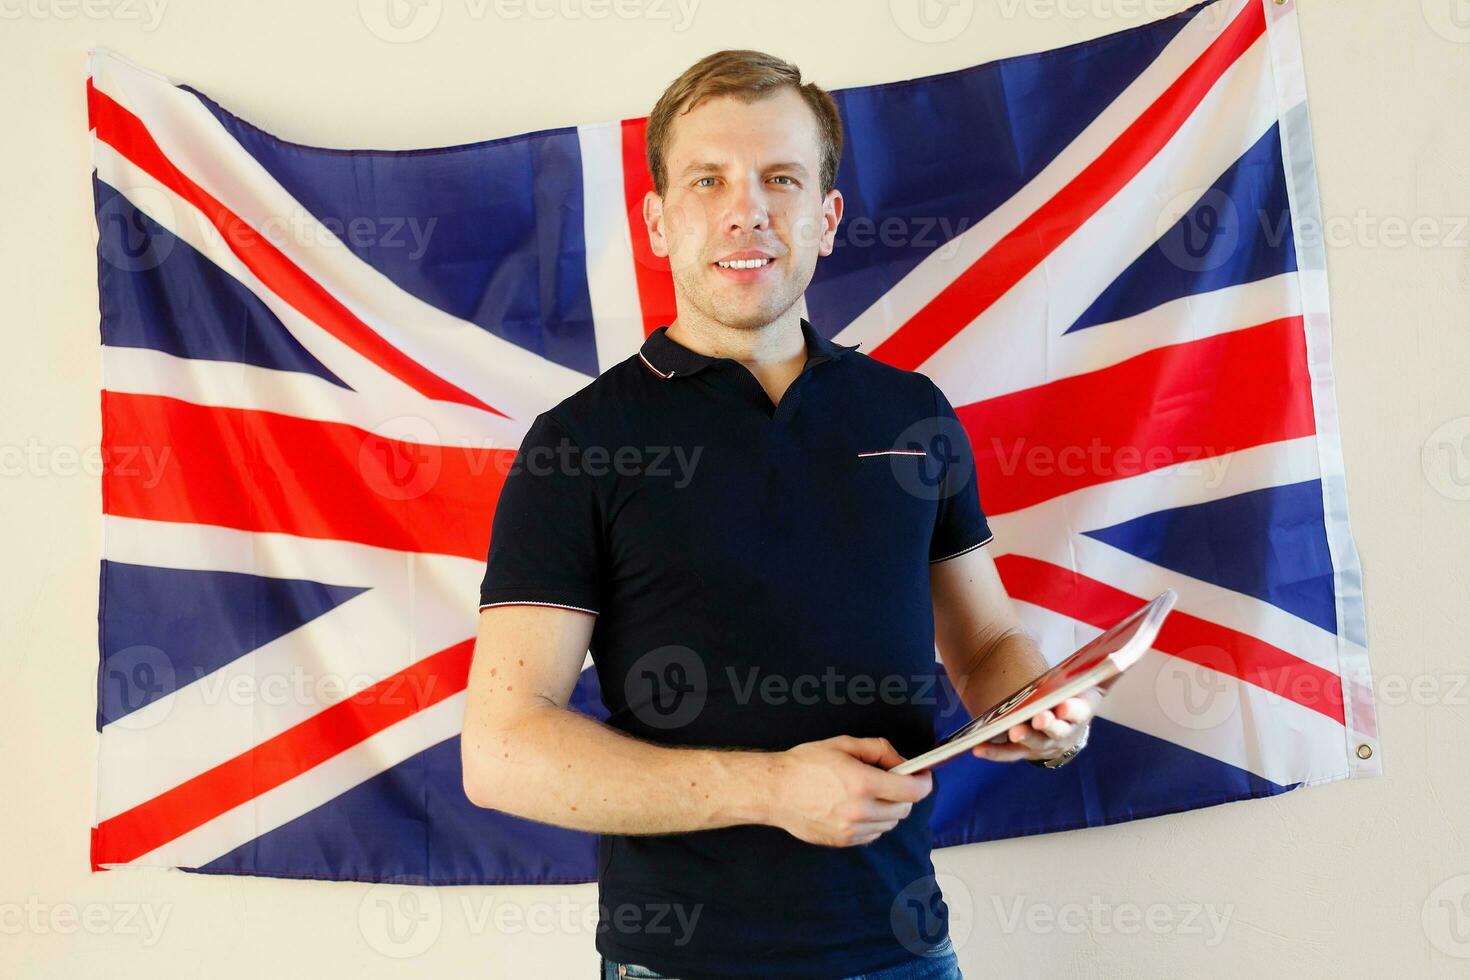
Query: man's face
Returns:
{"type": "Point", "coordinates": [743, 178]}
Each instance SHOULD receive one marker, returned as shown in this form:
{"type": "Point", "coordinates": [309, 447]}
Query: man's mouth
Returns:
{"type": "Point", "coordinates": [745, 269]}
{"type": "Point", "coordinates": [744, 263]}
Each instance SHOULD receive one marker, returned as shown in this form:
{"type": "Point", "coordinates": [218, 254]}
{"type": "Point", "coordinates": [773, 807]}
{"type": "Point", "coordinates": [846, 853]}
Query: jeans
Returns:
{"type": "Point", "coordinates": [940, 966]}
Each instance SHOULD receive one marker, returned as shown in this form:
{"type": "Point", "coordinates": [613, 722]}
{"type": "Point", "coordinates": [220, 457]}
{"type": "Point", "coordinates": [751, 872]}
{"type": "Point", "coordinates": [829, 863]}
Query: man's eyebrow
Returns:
{"type": "Point", "coordinates": [700, 168]}
{"type": "Point", "coordinates": [793, 165]}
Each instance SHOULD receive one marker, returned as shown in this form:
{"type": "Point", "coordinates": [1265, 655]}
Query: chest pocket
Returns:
{"type": "Point", "coordinates": [889, 495]}
{"type": "Point", "coordinates": [915, 472]}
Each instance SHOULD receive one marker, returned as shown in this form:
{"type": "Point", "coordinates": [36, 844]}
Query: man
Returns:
{"type": "Point", "coordinates": [761, 536]}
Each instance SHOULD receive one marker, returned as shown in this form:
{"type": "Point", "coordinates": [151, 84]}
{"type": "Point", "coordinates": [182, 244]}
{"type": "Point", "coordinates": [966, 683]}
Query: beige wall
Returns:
{"type": "Point", "coordinates": [1327, 881]}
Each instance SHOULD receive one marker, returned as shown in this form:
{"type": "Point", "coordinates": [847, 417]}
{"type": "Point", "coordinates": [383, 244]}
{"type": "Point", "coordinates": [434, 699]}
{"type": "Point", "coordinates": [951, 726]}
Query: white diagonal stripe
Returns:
{"type": "Point", "coordinates": [616, 310]}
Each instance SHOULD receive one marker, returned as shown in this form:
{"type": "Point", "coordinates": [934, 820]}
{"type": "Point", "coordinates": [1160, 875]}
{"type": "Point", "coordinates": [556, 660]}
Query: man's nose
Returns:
{"type": "Point", "coordinates": [748, 208]}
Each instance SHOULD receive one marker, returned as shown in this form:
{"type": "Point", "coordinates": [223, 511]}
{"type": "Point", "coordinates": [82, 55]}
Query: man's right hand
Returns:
{"type": "Point", "coordinates": [837, 792]}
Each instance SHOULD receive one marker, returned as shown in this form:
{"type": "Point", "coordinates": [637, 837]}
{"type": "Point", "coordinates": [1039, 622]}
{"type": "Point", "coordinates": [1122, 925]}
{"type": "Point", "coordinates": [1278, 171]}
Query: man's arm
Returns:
{"type": "Point", "coordinates": [987, 655]}
{"type": "Point", "coordinates": [526, 753]}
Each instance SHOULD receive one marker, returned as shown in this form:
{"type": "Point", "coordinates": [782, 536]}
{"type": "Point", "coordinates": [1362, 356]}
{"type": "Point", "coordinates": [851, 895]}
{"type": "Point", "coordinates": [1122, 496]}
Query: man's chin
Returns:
{"type": "Point", "coordinates": [736, 309]}
{"type": "Point", "coordinates": [749, 315]}
{"type": "Point", "coordinates": [748, 320]}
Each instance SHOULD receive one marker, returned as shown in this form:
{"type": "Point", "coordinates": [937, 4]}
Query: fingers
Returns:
{"type": "Point", "coordinates": [866, 821]}
{"type": "Point", "coordinates": [1047, 724]}
{"type": "Point", "coordinates": [1004, 753]}
{"type": "Point", "coordinates": [1037, 745]}
{"type": "Point", "coordinates": [884, 811]}
{"type": "Point", "coordinates": [1026, 742]}
{"type": "Point", "coordinates": [1081, 709]}
{"type": "Point", "coordinates": [875, 825]}
{"type": "Point", "coordinates": [880, 752]}
{"type": "Point", "coordinates": [903, 789]}
{"type": "Point", "coordinates": [1046, 735]}
{"type": "Point", "coordinates": [874, 751]}
{"type": "Point", "coordinates": [866, 833]}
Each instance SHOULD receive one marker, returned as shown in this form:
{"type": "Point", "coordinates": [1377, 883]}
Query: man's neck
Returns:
{"type": "Point", "coordinates": [774, 353]}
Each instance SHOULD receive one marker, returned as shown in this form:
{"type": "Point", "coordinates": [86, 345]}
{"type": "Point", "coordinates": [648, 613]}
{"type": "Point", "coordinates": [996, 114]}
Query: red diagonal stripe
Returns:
{"type": "Point", "coordinates": [1199, 641]}
{"type": "Point", "coordinates": [274, 762]}
{"type": "Point", "coordinates": [1175, 404]}
{"type": "Point", "coordinates": [126, 133]}
{"type": "Point", "coordinates": [172, 460]}
{"type": "Point", "coordinates": [91, 105]}
{"type": "Point", "coordinates": [650, 272]}
{"type": "Point", "coordinates": [1023, 249]}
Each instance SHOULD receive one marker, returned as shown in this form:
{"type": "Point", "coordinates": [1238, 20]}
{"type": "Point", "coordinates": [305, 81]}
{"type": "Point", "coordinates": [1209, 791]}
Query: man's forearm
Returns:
{"type": "Point", "coordinates": [561, 767]}
{"type": "Point", "coordinates": [1005, 665]}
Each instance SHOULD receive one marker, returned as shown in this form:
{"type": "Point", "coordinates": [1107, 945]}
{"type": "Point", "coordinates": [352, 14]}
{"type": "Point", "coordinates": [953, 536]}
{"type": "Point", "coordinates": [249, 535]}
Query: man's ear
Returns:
{"type": "Point", "coordinates": [831, 217]}
{"type": "Point", "coordinates": [653, 219]}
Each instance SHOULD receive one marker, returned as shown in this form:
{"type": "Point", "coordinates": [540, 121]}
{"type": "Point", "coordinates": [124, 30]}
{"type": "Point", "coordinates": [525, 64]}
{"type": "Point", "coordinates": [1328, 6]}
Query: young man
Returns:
{"type": "Point", "coordinates": [761, 536]}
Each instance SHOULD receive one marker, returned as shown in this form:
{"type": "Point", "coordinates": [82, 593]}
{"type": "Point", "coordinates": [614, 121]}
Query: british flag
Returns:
{"type": "Point", "coordinates": [318, 363]}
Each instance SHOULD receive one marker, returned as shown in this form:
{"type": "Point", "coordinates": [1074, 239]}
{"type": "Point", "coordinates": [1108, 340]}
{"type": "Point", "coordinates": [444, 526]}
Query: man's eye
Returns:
{"type": "Point", "coordinates": [702, 180]}
{"type": "Point", "coordinates": [781, 177]}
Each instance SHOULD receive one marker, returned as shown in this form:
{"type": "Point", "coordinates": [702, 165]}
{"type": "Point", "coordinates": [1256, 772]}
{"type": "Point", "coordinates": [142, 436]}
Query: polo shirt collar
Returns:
{"type": "Point", "coordinates": [669, 359]}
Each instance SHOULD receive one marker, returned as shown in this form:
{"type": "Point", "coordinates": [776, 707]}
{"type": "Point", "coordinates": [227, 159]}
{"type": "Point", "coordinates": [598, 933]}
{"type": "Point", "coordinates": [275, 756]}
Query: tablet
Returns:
{"type": "Point", "coordinates": [1097, 664]}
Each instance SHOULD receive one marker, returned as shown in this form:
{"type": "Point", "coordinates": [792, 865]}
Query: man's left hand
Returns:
{"type": "Point", "coordinates": [1048, 734]}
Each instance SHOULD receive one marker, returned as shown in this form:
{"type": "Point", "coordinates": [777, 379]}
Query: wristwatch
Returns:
{"type": "Point", "coordinates": [1067, 756]}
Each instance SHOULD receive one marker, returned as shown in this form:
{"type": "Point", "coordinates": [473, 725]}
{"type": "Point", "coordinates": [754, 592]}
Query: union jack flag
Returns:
{"type": "Point", "coordinates": [318, 364]}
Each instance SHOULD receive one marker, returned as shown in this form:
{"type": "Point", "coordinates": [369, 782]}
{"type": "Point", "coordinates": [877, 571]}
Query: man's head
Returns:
{"type": "Point", "coordinates": [744, 158]}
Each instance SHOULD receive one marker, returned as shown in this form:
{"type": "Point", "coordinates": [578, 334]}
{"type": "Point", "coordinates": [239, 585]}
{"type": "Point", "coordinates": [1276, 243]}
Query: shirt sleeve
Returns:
{"type": "Point", "coordinates": [546, 536]}
{"type": "Point", "coordinates": [959, 523]}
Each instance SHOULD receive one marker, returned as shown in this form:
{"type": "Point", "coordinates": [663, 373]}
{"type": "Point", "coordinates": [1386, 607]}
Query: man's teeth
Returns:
{"type": "Point", "coordinates": [743, 264]}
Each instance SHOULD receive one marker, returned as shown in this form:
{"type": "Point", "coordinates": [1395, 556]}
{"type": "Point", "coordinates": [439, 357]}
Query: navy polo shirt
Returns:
{"type": "Point", "coordinates": [760, 577]}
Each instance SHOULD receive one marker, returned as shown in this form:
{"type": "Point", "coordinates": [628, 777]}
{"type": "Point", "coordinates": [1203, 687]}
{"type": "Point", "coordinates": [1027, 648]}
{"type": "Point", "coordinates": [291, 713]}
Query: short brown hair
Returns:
{"type": "Point", "coordinates": [748, 76]}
